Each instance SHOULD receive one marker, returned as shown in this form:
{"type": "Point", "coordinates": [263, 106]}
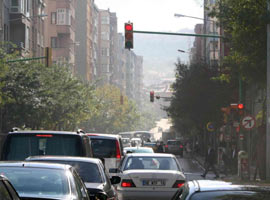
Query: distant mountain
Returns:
{"type": "Point", "coordinates": [160, 53]}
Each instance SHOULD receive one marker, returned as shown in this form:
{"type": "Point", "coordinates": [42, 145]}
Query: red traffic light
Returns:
{"type": "Point", "coordinates": [240, 106]}
{"type": "Point", "coordinates": [128, 27]}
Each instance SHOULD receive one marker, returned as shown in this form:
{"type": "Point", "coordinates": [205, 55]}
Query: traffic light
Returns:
{"type": "Point", "coordinates": [48, 56]}
{"type": "Point", "coordinates": [129, 35]}
{"type": "Point", "coordinates": [240, 106]}
{"type": "Point", "coordinates": [152, 96]}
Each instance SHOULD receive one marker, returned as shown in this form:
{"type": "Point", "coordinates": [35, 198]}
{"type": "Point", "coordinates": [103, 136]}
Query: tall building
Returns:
{"type": "Point", "coordinates": [95, 32]}
{"type": "Point", "coordinates": [4, 20]}
{"type": "Point", "coordinates": [24, 26]}
{"type": "Point", "coordinates": [113, 49]}
{"type": "Point", "coordinates": [212, 45]}
{"type": "Point", "coordinates": [197, 51]}
{"type": "Point", "coordinates": [84, 37]}
{"type": "Point", "coordinates": [120, 74]}
{"type": "Point", "coordinates": [60, 31]}
{"type": "Point", "coordinates": [104, 61]}
{"type": "Point", "coordinates": [138, 79]}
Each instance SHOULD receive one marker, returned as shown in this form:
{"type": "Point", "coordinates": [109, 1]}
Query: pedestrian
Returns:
{"type": "Point", "coordinates": [210, 162]}
{"type": "Point", "coordinates": [160, 147]}
{"type": "Point", "coordinates": [226, 161]}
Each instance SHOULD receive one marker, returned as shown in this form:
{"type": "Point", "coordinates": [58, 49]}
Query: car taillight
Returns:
{"type": "Point", "coordinates": [181, 146]}
{"type": "Point", "coordinates": [41, 135]}
{"type": "Point", "coordinates": [178, 183]}
{"type": "Point", "coordinates": [166, 146]}
{"type": "Point", "coordinates": [127, 183]}
{"type": "Point", "coordinates": [118, 153]}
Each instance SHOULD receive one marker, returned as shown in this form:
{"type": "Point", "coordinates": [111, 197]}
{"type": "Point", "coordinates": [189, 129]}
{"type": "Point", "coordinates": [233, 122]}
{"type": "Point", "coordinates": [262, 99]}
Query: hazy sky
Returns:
{"type": "Point", "coordinates": [157, 15]}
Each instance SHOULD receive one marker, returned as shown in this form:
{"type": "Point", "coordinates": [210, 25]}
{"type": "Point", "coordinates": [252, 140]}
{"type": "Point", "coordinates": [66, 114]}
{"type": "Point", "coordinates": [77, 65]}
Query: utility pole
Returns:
{"type": "Point", "coordinates": [268, 100]}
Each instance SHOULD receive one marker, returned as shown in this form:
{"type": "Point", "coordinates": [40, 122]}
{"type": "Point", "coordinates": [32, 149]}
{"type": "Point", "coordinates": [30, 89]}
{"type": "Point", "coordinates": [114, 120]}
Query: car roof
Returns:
{"type": "Point", "coordinates": [45, 132]}
{"type": "Point", "coordinates": [65, 158]}
{"type": "Point", "coordinates": [150, 155]}
{"type": "Point", "coordinates": [215, 185]}
{"type": "Point", "coordinates": [103, 135]}
{"type": "Point", "coordinates": [41, 165]}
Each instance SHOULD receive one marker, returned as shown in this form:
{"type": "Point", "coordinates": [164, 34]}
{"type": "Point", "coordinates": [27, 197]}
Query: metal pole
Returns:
{"type": "Point", "coordinates": [268, 100]}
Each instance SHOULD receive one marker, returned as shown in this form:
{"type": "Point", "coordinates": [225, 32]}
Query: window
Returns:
{"type": "Point", "coordinates": [61, 16]}
{"type": "Point", "coordinates": [27, 38]}
{"type": "Point", "coordinates": [15, 3]}
{"type": "Point", "coordinates": [105, 36]}
{"type": "Point", "coordinates": [53, 18]}
{"type": "Point", "coordinates": [105, 20]}
{"type": "Point", "coordinates": [105, 52]}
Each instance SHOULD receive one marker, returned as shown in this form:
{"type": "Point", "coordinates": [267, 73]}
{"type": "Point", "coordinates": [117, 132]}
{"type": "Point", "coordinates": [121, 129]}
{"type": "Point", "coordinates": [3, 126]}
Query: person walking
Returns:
{"type": "Point", "coordinates": [210, 162]}
{"type": "Point", "coordinates": [226, 161]}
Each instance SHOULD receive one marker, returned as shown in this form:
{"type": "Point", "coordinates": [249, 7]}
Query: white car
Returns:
{"type": "Point", "coordinates": [149, 176]}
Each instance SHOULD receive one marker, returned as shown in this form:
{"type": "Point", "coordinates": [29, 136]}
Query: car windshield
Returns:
{"type": "Point", "coordinates": [20, 146]}
{"type": "Point", "coordinates": [89, 172]}
{"type": "Point", "coordinates": [38, 182]}
{"type": "Point", "coordinates": [174, 142]}
{"type": "Point", "coordinates": [231, 195]}
{"type": "Point", "coordinates": [104, 148]}
{"type": "Point", "coordinates": [155, 163]}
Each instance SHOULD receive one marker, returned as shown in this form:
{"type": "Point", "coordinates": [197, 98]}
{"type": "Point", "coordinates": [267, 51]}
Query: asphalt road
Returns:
{"type": "Point", "coordinates": [192, 169]}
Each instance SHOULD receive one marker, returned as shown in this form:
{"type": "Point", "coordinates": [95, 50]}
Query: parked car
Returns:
{"type": "Point", "coordinates": [175, 147]}
{"type": "Point", "coordinates": [220, 190]}
{"type": "Point", "coordinates": [138, 150]}
{"type": "Point", "coordinates": [7, 191]}
{"type": "Point", "coordinates": [44, 180]}
{"type": "Point", "coordinates": [126, 142]}
{"type": "Point", "coordinates": [22, 144]}
{"type": "Point", "coordinates": [92, 172]}
{"type": "Point", "coordinates": [107, 147]}
{"type": "Point", "coordinates": [149, 176]}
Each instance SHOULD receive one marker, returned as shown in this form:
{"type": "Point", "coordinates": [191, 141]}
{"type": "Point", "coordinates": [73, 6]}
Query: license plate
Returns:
{"type": "Point", "coordinates": [153, 182]}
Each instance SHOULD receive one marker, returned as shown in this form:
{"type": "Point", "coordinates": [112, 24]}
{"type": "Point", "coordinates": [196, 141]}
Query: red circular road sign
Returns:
{"type": "Point", "coordinates": [248, 122]}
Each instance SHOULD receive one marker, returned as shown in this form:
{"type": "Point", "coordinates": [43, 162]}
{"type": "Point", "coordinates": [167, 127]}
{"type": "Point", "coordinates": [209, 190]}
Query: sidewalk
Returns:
{"type": "Point", "coordinates": [234, 178]}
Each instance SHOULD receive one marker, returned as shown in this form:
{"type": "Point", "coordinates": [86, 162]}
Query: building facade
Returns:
{"type": "Point", "coordinates": [197, 51]}
{"type": "Point", "coordinates": [60, 31]}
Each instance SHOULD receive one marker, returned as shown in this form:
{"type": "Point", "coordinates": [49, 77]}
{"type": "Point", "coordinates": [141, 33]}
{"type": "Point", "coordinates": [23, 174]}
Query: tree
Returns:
{"type": "Point", "coordinates": [197, 98]}
{"type": "Point", "coordinates": [244, 23]}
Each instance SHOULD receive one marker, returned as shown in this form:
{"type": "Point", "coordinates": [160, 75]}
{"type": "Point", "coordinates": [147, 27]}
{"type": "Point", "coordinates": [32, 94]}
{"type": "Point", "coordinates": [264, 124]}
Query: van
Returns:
{"type": "Point", "coordinates": [22, 144]}
{"type": "Point", "coordinates": [108, 148]}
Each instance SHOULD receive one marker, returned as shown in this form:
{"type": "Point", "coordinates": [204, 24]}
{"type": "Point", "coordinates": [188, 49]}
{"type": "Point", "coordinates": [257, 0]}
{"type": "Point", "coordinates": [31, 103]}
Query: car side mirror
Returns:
{"type": "Point", "coordinates": [115, 180]}
{"type": "Point", "coordinates": [114, 170]}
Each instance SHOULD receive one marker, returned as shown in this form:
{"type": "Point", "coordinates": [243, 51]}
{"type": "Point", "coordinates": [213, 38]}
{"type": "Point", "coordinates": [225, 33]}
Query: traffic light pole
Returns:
{"type": "Point", "coordinates": [179, 34]}
{"type": "Point", "coordinates": [268, 100]}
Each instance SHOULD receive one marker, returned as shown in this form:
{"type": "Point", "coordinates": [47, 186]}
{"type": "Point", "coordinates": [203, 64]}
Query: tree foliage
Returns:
{"type": "Point", "coordinates": [197, 98]}
{"type": "Point", "coordinates": [244, 23]}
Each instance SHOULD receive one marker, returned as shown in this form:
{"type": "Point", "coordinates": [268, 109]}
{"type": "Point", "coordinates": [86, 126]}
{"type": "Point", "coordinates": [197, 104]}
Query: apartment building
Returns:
{"type": "Point", "coordinates": [113, 49]}
{"type": "Point", "coordinates": [60, 31]}
{"type": "Point", "coordinates": [212, 45]}
{"type": "Point", "coordinates": [138, 79]}
{"type": "Point", "coordinates": [84, 37]}
{"type": "Point", "coordinates": [23, 25]}
{"type": "Point", "coordinates": [197, 51]}
{"type": "Point", "coordinates": [104, 45]}
{"type": "Point", "coordinates": [95, 32]}
{"type": "Point", "coordinates": [120, 72]}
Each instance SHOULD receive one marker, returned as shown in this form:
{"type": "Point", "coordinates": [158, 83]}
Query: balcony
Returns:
{"type": "Point", "coordinates": [64, 29]}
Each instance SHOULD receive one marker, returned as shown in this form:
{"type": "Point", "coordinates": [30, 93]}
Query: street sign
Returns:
{"type": "Point", "coordinates": [248, 122]}
{"type": "Point", "coordinates": [210, 126]}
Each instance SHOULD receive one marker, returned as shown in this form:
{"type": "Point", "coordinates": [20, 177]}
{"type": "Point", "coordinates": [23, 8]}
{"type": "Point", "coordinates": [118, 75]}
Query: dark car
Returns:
{"type": "Point", "coordinates": [22, 144]}
{"type": "Point", "coordinates": [92, 172]}
{"type": "Point", "coordinates": [44, 180]}
{"type": "Point", "coordinates": [107, 147]}
{"type": "Point", "coordinates": [175, 147]}
{"type": "Point", "coordinates": [7, 191]}
{"type": "Point", "coordinates": [220, 190]}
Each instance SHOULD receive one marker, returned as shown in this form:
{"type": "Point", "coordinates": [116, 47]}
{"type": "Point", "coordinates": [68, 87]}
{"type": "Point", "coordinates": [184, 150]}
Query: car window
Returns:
{"type": "Point", "coordinates": [4, 194]}
{"type": "Point", "coordinates": [21, 146]}
{"type": "Point", "coordinates": [104, 148]}
{"type": "Point", "coordinates": [157, 163]}
{"type": "Point", "coordinates": [230, 195]}
{"type": "Point", "coordinates": [82, 193]}
{"type": "Point", "coordinates": [89, 172]}
{"type": "Point", "coordinates": [11, 190]}
{"type": "Point", "coordinates": [174, 142]}
{"type": "Point", "coordinates": [35, 181]}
